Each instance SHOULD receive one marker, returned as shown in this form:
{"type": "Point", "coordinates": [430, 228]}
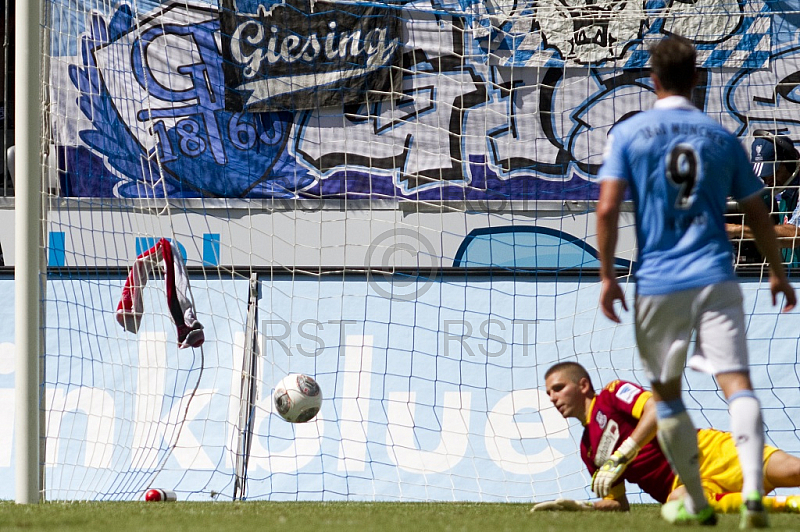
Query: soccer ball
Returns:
{"type": "Point", "coordinates": [297, 398]}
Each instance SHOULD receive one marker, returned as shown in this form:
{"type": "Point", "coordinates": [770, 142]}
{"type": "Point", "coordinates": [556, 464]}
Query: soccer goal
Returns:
{"type": "Point", "coordinates": [395, 198]}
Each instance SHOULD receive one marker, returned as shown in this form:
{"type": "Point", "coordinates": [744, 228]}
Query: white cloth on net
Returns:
{"type": "Point", "coordinates": [166, 256]}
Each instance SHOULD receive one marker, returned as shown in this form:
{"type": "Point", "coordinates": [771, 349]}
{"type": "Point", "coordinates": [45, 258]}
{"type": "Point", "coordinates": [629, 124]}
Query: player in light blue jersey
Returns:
{"type": "Point", "coordinates": [680, 167]}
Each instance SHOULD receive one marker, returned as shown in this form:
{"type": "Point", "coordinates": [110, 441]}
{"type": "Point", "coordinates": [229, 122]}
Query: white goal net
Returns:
{"type": "Point", "coordinates": [394, 197]}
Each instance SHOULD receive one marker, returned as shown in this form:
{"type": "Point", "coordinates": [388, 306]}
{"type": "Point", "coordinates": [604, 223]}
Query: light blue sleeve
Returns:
{"type": "Point", "coordinates": [615, 164]}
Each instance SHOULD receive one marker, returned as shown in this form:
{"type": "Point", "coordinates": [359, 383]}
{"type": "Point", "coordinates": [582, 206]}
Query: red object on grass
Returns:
{"type": "Point", "coordinates": [159, 495]}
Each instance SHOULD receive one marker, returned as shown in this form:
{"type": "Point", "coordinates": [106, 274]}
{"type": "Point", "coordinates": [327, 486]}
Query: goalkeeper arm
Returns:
{"type": "Point", "coordinates": [563, 505]}
{"type": "Point", "coordinates": [611, 472]}
{"type": "Point", "coordinates": [614, 505]}
{"type": "Point", "coordinates": [617, 504]}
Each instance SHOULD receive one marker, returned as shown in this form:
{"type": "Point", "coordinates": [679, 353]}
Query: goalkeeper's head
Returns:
{"type": "Point", "coordinates": [570, 389]}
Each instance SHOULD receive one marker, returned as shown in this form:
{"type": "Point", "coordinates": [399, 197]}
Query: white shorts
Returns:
{"type": "Point", "coordinates": [665, 323]}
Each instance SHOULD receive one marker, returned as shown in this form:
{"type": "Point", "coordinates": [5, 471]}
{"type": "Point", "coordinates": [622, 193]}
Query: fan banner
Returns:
{"type": "Point", "coordinates": [306, 100]}
{"type": "Point", "coordinates": [301, 55]}
{"type": "Point", "coordinates": [617, 33]}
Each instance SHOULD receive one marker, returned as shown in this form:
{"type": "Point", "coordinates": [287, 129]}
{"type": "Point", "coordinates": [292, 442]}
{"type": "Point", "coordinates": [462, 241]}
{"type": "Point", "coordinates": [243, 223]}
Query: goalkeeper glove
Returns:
{"type": "Point", "coordinates": [611, 471]}
{"type": "Point", "coordinates": [563, 505]}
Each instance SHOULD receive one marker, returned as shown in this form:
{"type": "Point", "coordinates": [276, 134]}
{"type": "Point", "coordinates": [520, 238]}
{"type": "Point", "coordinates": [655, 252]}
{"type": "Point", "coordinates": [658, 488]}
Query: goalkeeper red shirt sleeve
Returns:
{"type": "Point", "coordinates": [613, 416]}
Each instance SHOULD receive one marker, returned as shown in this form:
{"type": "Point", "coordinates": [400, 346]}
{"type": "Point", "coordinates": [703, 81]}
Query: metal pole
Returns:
{"type": "Point", "coordinates": [7, 112]}
{"type": "Point", "coordinates": [27, 234]}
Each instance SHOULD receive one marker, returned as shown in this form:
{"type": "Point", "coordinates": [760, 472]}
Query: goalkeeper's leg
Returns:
{"type": "Point", "coordinates": [781, 470]}
{"type": "Point", "coordinates": [730, 503]}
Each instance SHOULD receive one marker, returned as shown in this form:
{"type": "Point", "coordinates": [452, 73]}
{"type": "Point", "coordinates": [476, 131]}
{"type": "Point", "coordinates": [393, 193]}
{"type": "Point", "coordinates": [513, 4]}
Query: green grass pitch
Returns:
{"type": "Point", "coordinates": [334, 516]}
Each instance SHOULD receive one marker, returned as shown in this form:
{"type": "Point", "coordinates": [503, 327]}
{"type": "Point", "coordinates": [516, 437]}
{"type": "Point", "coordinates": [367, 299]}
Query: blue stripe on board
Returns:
{"type": "Point", "coordinates": [210, 249]}
{"type": "Point", "coordinates": [57, 250]}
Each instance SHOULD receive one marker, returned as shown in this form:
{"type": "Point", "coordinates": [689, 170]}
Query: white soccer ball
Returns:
{"type": "Point", "coordinates": [297, 398]}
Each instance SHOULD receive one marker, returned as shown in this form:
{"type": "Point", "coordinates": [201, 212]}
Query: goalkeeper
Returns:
{"type": "Point", "coordinates": [619, 443]}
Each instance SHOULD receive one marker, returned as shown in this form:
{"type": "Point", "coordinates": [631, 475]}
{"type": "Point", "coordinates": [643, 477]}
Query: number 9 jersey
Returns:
{"type": "Point", "coordinates": [680, 166]}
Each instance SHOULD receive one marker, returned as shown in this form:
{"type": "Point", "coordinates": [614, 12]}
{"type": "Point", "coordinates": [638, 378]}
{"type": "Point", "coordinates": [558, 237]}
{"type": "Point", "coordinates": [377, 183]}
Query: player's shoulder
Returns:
{"type": "Point", "coordinates": [616, 384]}
{"type": "Point", "coordinates": [623, 390]}
{"type": "Point", "coordinates": [709, 123]}
{"type": "Point", "coordinates": [632, 122]}
{"type": "Point", "coordinates": [698, 125]}
{"type": "Point", "coordinates": [714, 124]}
{"type": "Point", "coordinates": [660, 121]}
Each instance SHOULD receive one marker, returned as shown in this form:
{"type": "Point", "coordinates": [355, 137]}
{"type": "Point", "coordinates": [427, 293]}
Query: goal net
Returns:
{"type": "Point", "coordinates": [395, 198]}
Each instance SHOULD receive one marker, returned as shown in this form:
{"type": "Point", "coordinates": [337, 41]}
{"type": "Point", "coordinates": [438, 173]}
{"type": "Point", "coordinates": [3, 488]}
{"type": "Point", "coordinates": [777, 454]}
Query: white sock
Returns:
{"type": "Point", "coordinates": [748, 435]}
{"type": "Point", "coordinates": [678, 439]}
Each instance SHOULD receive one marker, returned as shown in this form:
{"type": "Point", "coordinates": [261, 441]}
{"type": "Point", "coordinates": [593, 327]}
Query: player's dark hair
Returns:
{"type": "Point", "coordinates": [673, 60]}
{"type": "Point", "coordinates": [573, 370]}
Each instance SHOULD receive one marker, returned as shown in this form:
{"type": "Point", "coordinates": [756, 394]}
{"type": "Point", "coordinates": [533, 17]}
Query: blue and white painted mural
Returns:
{"type": "Point", "coordinates": [473, 99]}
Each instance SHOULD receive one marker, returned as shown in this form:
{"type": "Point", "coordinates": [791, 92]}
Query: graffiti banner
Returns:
{"type": "Point", "coordinates": [616, 33]}
{"type": "Point", "coordinates": [301, 55]}
{"type": "Point", "coordinates": [139, 98]}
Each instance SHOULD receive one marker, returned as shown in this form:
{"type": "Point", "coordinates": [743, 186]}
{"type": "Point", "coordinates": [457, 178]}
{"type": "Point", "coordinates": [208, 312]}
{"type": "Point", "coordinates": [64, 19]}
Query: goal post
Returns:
{"type": "Point", "coordinates": [30, 276]}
